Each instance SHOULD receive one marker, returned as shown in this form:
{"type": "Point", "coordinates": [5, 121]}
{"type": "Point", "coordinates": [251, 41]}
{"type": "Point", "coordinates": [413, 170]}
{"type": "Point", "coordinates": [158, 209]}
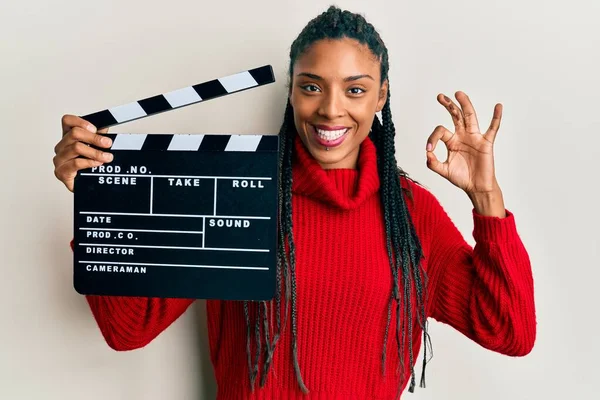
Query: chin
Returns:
{"type": "Point", "coordinates": [338, 157]}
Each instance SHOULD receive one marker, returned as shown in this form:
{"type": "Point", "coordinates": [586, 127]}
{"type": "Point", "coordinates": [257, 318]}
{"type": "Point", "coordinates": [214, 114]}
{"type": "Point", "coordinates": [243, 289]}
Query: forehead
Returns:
{"type": "Point", "coordinates": [337, 59]}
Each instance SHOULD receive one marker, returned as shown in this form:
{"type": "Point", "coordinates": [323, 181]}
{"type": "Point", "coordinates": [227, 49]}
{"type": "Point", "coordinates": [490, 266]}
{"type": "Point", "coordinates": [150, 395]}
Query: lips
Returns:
{"type": "Point", "coordinates": [329, 136]}
{"type": "Point", "coordinates": [330, 128]}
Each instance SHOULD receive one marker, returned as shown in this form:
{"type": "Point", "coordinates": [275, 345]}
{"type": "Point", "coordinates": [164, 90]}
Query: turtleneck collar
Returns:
{"type": "Point", "coordinates": [339, 187]}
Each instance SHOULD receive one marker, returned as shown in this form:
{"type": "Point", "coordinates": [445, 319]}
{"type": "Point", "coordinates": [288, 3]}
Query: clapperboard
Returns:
{"type": "Point", "coordinates": [179, 215]}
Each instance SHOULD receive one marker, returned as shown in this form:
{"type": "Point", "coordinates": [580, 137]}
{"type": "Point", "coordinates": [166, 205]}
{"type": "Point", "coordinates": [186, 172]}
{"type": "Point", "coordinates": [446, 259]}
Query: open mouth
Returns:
{"type": "Point", "coordinates": [329, 136]}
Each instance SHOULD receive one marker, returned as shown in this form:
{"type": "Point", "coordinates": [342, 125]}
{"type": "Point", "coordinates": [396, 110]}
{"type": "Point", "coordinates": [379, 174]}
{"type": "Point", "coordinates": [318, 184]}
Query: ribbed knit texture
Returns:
{"type": "Point", "coordinates": [343, 287]}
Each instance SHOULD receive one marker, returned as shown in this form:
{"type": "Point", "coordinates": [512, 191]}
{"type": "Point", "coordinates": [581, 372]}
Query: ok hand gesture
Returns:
{"type": "Point", "coordinates": [470, 160]}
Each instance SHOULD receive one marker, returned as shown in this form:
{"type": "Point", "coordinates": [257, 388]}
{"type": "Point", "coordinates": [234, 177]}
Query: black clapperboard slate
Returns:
{"type": "Point", "coordinates": [179, 215]}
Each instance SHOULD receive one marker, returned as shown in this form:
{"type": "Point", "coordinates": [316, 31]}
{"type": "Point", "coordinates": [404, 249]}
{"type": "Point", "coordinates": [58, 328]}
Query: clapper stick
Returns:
{"type": "Point", "coordinates": [182, 97]}
{"type": "Point", "coordinates": [179, 215]}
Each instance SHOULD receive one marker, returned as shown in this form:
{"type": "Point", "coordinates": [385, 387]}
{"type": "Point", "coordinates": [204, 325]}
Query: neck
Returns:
{"type": "Point", "coordinates": [343, 188]}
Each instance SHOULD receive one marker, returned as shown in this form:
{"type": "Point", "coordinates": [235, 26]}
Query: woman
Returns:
{"type": "Point", "coordinates": [364, 251]}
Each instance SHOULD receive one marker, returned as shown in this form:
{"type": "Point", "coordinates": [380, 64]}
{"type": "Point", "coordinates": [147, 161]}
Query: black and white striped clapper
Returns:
{"type": "Point", "coordinates": [183, 97]}
{"type": "Point", "coordinates": [180, 216]}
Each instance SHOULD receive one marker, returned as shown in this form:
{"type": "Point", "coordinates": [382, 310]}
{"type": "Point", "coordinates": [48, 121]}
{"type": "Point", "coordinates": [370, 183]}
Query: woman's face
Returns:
{"type": "Point", "coordinates": [335, 93]}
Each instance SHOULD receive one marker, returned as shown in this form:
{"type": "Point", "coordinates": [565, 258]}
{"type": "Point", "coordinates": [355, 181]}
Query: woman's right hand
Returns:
{"type": "Point", "coordinates": [78, 134]}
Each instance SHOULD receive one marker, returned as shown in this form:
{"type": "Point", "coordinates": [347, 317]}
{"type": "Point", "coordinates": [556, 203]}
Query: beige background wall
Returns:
{"type": "Point", "coordinates": [540, 59]}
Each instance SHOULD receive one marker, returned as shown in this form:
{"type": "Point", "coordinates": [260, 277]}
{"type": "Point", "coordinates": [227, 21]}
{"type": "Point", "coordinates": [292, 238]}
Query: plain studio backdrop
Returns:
{"type": "Point", "coordinates": [539, 59]}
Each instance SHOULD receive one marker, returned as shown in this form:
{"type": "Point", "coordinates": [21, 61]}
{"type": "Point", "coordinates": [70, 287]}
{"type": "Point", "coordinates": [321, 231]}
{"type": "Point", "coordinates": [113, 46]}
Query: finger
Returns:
{"type": "Point", "coordinates": [78, 149]}
{"type": "Point", "coordinates": [495, 124]}
{"type": "Point", "coordinates": [439, 133]}
{"type": "Point", "coordinates": [67, 172]}
{"type": "Point", "coordinates": [436, 166]}
{"type": "Point", "coordinates": [95, 139]}
{"type": "Point", "coordinates": [470, 118]}
{"type": "Point", "coordinates": [454, 110]}
{"type": "Point", "coordinates": [85, 136]}
{"type": "Point", "coordinates": [78, 134]}
{"type": "Point", "coordinates": [69, 121]}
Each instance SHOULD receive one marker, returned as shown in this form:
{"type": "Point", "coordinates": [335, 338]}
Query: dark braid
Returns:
{"type": "Point", "coordinates": [403, 245]}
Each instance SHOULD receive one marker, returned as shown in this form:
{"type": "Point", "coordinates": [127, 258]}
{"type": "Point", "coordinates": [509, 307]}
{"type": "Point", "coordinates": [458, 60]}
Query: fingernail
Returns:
{"type": "Point", "coordinates": [91, 128]}
{"type": "Point", "coordinates": [446, 98]}
{"type": "Point", "coordinates": [107, 156]}
{"type": "Point", "coordinates": [106, 141]}
{"type": "Point", "coordinates": [429, 146]}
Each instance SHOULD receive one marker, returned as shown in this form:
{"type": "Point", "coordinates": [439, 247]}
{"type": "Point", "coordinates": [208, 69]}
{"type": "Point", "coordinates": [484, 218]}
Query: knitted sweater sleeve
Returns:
{"type": "Point", "coordinates": [485, 292]}
{"type": "Point", "coordinates": [128, 323]}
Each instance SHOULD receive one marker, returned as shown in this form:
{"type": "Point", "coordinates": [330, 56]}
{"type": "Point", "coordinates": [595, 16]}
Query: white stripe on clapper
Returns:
{"type": "Point", "coordinates": [151, 195]}
{"type": "Point", "coordinates": [171, 215]}
{"type": "Point", "coordinates": [185, 142]}
{"type": "Point", "coordinates": [176, 265]}
{"type": "Point", "coordinates": [174, 247]}
{"type": "Point", "coordinates": [140, 230]}
{"type": "Point", "coordinates": [129, 141]}
{"type": "Point", "coordinates": [242, 80]}
{"type": "Point", "coordinates": [215, 200]}
{"type": "Point", "coordinates": [243, 143]}
{"type": "Point", "coordinates": [127, 112]}
{"type": "Point", "coordinates": [182, 97]}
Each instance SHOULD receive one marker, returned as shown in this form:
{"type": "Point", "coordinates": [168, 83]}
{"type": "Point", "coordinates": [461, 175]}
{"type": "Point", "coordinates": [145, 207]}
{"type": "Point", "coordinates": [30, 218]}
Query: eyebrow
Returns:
{"type": "Point", "coordinates": [347, 79]}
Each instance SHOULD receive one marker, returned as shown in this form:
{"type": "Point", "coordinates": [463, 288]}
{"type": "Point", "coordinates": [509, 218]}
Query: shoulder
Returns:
{"type": "Point", "coordinates": [422, 204]}
{"type": "Point", "coordinates": [416, 194]}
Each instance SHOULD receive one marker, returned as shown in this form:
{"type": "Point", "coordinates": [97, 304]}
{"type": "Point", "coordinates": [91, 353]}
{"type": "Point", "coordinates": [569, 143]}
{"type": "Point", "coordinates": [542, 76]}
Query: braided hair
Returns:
{"type": "Point", "coordinates": [403, 245]}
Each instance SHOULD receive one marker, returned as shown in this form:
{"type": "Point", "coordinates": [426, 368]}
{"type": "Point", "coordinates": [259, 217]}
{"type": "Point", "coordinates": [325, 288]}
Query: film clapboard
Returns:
{"type": "Point", "coordinates": [179, 215]}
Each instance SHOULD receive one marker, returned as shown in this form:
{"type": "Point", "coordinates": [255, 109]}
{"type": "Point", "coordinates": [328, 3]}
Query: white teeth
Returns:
{"type": "Point", "coordinates": [331, 135]}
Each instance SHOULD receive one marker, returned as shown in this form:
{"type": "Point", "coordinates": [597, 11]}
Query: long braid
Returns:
{"type": "Point", "coordinates": [283, 264]}
{"type": "Point", "coordinates": [288, 222]}
{"type": "Point", "coordinates": [377, 135]}
{"type": "Point", "coordinates": [268, 349]}
{"type": "Point", "coordinates": [403, 245]}
{"type": "Point", "coordinates": [406, 241]}
{"type": "Point", "coordinates": [248, 342]}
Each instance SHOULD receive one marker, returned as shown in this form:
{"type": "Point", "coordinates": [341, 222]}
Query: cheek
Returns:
{"type": "Point", "coordinates": [363, 113]}
{"type": "Point", "coordinates": [304, 109]}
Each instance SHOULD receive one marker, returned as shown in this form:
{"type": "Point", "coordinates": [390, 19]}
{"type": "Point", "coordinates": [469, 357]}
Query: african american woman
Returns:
{"type": "Point", "coordinates": [365, 255]}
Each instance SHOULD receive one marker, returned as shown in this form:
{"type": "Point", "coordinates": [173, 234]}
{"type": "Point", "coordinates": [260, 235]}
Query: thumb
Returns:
{"type": "Point", "coordinates": [105, 130]}
{"type": "Point", "coordinates": [435, 165]}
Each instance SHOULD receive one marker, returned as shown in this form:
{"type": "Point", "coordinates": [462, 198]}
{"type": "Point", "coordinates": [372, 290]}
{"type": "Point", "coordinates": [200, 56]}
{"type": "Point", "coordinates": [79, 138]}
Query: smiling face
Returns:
{"type": "Point", "coordinates": [335, 93]}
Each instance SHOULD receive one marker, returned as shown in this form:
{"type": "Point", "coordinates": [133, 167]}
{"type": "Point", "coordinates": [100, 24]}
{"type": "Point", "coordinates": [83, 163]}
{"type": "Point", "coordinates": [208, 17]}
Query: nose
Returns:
{"type": "Point", "coordinates": [332, 106]}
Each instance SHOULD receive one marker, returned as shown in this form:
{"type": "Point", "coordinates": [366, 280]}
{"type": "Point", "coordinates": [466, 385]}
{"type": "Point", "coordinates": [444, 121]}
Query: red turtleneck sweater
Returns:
{"type": "Point", "coordinates": [343, 286]}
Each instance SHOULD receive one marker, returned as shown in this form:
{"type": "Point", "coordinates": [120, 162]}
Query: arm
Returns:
{"type": "Point", "coordinates": [128, 323]}
{"type": "Point", "coordinates": [485, 292]}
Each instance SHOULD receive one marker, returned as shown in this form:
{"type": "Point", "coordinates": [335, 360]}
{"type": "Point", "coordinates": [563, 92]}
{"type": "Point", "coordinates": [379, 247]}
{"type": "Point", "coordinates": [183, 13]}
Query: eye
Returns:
{"type": "Point", "coordinates": [310, 88]}
{"type": "Point", "coordinates": [356, 90]}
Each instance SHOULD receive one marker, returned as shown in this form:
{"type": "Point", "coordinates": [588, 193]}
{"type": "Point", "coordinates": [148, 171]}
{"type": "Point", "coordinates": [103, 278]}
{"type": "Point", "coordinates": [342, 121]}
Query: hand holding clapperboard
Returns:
{"type": "Point", "coordinates": [179, 215]}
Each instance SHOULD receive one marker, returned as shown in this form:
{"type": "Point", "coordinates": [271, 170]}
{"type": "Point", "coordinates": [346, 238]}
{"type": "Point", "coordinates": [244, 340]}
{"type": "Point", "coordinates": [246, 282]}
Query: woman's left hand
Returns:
{"type": "Point", "coordinates": [470, 160]}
